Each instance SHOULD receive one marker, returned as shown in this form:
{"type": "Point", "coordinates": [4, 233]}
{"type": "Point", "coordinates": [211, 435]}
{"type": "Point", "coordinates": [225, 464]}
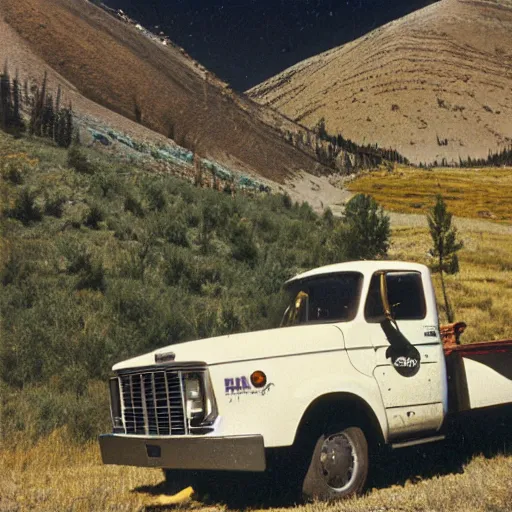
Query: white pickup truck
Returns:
{"type": "Point", "coordinates": [358, 360]}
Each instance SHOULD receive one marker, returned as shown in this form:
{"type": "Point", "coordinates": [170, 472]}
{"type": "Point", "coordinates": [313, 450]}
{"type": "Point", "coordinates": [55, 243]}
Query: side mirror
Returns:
{"type": "Point", "coordinates": [384, 297]}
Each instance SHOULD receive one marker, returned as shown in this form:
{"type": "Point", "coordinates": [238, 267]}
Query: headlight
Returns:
{"type": "Point", "coordinates": [115, 406]}
{"type": "Point", "coordinates": [201, 407]}
{"type": "Point", "coordinates": [194, 396]}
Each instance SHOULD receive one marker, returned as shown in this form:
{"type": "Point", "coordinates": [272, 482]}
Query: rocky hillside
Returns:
{"type": "Point", "coordinates": [113, 71]}
{"type": "Point", "coordinates": [435, 84]}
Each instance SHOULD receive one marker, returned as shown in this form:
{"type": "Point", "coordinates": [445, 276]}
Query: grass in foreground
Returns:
{"type": "Point", "coordinates": [475, 193]}
{"type": "Point", "coordinates": [56, 475]}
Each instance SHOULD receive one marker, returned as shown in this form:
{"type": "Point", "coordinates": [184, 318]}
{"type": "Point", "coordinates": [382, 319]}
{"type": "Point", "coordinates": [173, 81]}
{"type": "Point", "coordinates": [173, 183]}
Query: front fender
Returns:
{"type": "Point", "coordinates": [294, 383]}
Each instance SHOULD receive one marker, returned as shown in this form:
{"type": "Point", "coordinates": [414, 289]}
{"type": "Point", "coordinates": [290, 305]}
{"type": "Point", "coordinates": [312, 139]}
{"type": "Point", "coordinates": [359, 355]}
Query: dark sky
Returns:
{"type": "Point", "coordinates": [246, 41]}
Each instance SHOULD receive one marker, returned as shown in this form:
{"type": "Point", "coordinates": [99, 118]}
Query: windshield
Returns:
{"type": "Point", "coordinates": [333, 298]}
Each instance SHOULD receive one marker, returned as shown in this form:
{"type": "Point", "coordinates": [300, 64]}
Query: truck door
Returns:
{"type": "Point", "coordinates": [409, 360]}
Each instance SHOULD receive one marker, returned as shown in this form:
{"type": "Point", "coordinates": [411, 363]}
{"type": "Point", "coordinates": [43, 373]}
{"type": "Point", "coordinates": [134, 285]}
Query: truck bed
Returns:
{"type": "Point", "coordinates": [479, 374]}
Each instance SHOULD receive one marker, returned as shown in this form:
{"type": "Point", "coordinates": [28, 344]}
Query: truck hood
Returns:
{"type": "Point", "coordinates": [248, 346]}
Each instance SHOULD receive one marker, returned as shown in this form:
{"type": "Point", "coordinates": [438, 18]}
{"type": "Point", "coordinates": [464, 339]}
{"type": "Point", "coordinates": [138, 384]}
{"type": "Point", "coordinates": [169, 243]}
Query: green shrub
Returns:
{"type": "Point", "coordinates": [75, 254]}
{"type": "Point", "coordinates": [81, 263]}
{"type": "Point", "coordinates": [170, 226]}
{"type": "Point", "coordinates": [287, 201]}
{"type": "Point", "coordinates": [134, 205]}
{"type": "Point", "coordinates": [200, 274]}
{"type": "Point", "coordinates": [77, 160]}
{"type": "Point", "coordinates": [328, 218]}
{"type": "Point", "coordinates": [25, 208]}
{"type": "Point", "coordinates": [92, 277]}
{"type": "Point", "coordinates": [54, 206]}
{"type": "Point", "coordinates": [192, 216]}
{"type": "Point", "coordinates": [94, 216]}
{"type": "Point", "coordinates": [306, 212]}
{"type": "Point", "coordinates": [16, 269]}
{"type": "Point", "coordinates": [131, 265]}
{"type": "Point", "coordinates": [14, 172]}
{"type": "Point", "coordinates": [176, 232]}
{"type": "Point", "coordinates": [156, 196]}
{"type": "Point", "coordinates": [229, 321]}
{"type": "Point", "coordinates": [213, 217]}
{"type": "Point", "coordinates": [176, 267]}
{"type": "Point", "coordinates": [123, 227]}
{"type": "Point", "coordinates": [243, 247]}
{"type": "Point", "coordinates": [37, 411]}
{"type": "Point", "coordinates": [107, 184]}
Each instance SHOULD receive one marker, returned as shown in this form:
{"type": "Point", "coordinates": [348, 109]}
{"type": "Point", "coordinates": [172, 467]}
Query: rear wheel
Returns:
{"type": "Point", "coordinates": [338, 467]}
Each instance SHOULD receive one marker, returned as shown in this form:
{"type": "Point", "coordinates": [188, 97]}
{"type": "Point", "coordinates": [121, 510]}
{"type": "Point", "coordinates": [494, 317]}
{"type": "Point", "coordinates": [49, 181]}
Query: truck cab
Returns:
{"type": "Point", "coordinates": [358, 359]}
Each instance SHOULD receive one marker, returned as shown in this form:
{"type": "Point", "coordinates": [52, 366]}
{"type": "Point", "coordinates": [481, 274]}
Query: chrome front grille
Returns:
{"type": "Point", "coordinates": [153, 403]}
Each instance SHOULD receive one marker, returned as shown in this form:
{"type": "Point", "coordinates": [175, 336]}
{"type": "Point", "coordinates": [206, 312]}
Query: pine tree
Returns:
{"type": "Point", "coordinates": [36, 114]}
{"type": "Point", "coordinates": [5, 99]}
{"type": "Point", "coordinates": [17, 123]}
{"type": "Point", "coordinates": [320, 129]}
{"type": "Point", "coordinates": [48, 119]}
{"type": "Point", "coordinates": [57, 114]}
{"type": "Point", "coordinates": [26, 95]}
{"type": "Point", "coordinates": [59, 129]}
{"type": "Point", "coordinates": [38, 108]}
{"type": "Point", "coordinates": [446, 246]}
{"type": "Point", "coordinates": [70, 130]}
{"type": "Point", "coordinates": [63, 131]}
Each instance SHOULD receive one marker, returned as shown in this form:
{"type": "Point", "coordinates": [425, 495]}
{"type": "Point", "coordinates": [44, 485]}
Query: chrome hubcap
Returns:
{"type": "Point", "coordinates": [338, 461]}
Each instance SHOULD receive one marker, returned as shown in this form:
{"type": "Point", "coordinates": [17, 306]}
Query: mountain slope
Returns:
{"type": "Point", "coordinates": [434, 84]}
{"type": "Point", "coordinates": [117, 66]}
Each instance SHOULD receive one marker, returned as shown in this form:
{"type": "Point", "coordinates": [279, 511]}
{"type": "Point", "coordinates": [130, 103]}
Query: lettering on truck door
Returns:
{"type": "Point", "coordinates": [409, 361]}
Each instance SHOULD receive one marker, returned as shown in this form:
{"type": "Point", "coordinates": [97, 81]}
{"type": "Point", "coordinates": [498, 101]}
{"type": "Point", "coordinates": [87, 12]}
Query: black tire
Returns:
{"type": "Point", "coordinates": [338, 467]}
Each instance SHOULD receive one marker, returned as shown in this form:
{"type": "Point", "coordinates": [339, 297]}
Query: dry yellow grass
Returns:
{"type": "Point", "coordinates": [482, 292]}
{"type": "Point", "coordinates": [56, 475]}
{"type": "Point", "coordinates": [476, 193]}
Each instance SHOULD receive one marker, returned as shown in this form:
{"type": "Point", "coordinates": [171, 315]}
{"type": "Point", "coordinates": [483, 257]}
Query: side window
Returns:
{"type": "Point", "coordinates": [405, 293]}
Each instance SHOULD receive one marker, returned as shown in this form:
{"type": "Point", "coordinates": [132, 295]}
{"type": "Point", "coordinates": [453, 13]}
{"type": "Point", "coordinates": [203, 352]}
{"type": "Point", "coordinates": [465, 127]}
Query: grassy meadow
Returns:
{"type": "Point", "coordinates": [481, 293]}
{"type": "Point", "coordinates": [474, 193]}
{"type": "Point", "coordinates": [100, 260]}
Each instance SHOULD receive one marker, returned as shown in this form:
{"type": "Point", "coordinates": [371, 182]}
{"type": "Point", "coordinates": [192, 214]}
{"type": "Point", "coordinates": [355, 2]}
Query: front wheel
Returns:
{"type": "Point", "coordinates": [339, 465]}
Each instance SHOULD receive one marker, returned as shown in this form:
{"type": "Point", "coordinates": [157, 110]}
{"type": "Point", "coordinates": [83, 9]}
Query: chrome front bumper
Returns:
{"type": "Point", "coordinates": [236, 453]}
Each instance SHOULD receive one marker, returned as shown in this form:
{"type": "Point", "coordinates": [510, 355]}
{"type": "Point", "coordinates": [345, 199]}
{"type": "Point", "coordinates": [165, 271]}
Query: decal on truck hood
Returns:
{"type": "Point", "coordinates": [239, 386]}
